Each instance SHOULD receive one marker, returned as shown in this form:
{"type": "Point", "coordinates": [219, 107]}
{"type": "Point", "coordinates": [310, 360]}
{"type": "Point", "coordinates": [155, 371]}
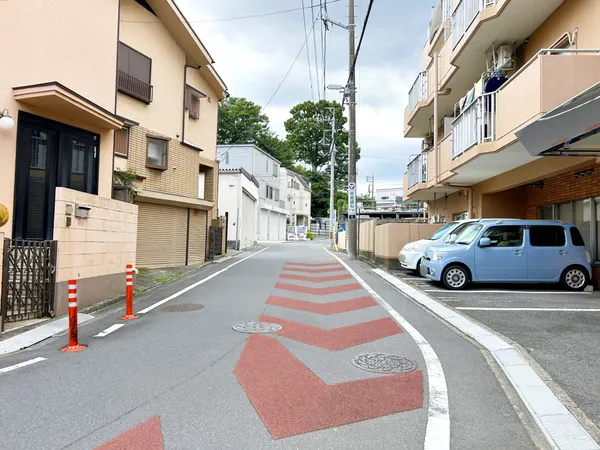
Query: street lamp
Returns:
{"type": "Point", "coordinates": [6, 122]}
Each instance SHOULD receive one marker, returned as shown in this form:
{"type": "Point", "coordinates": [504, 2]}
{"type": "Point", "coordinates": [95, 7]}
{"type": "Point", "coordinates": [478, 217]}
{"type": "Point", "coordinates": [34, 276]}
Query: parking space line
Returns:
{"type": "Point", "coordinates": [476, 308]}
{"type": "Point", "coordinates": [109, 330]}
{"type": "Point", "coordinates": [508, 292]}
{"type": "Point", "coordinates": [22, 364]}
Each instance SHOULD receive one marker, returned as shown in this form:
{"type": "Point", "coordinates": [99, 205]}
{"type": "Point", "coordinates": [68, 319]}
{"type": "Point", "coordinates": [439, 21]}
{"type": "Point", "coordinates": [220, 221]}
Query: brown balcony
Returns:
{"type": "Point", "coordinates": [132, 86]}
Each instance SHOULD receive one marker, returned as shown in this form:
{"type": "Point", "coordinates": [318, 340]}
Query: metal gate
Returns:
{"type": "Point", "coordinates": [28, 277]}
{"type": "Point", "coordinates": [215, 243]}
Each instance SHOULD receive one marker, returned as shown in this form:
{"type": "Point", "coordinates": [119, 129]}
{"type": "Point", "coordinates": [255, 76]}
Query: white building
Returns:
{"type": "Point", "coordinates": [388, 198]}
{"type": "Point", "coordinates": [272, 215]}
{"type": "Point", "coordinates": [296, 193]}
{"type": "Point", "coordinates": [238, 197]}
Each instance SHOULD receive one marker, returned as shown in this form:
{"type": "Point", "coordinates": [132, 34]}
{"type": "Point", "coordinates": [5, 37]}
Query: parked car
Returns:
{"type": "Point", "coordinates": [511, 251]}
{"type": "Point", "coordinates": [412, 253]}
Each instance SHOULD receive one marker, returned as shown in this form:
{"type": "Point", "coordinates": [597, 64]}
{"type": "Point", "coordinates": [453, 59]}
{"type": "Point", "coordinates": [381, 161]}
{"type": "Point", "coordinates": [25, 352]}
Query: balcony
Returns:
{"type": "Point", "coordinates": [417, 170]}
{"type": "Point", "coordinates": [418, 92]}
{"type": "Point", "coordinates": [475, 125]}
{"type": "Point", "coordinates": [132, 86]}
{"type": "Point", "coordinates": [464, 15]}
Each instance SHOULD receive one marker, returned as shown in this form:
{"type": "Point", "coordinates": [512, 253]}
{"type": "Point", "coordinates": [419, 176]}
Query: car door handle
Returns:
{"type": "Point", "coordinates": [562, 252]}
{"type": "Point", "coordinates": [518, 253]}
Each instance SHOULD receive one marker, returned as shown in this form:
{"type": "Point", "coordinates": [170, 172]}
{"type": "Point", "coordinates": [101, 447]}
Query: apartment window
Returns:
{"type": "Point", "coordinates": [122, 142]}
{"type": "Point", "coordinates": [460, 216]}
{"type": "Point", "coordinates": [276, 194]}
{"type": "Point", "coordinates": [192, 102]}
{"type": "Point", "coordinates": [133, 73]}
{"type": "Point", "coordinates": [275, 170]}
{"type": "Point", "coordinates": [158, 150]}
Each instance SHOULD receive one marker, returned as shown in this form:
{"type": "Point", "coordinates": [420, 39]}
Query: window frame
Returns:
{"type": "Point", "coordinates": [532, 227]}
{"type": "Point", "coordinates": [155, 166]}
{"type": "Point", "coordinates": [149, 83]}
{"type": "Point", "coordinates": [192, 95]}
{"type": "Point", "coordinates": [494, 227]}
{"type": "Point", "coordinates": [123, 155]}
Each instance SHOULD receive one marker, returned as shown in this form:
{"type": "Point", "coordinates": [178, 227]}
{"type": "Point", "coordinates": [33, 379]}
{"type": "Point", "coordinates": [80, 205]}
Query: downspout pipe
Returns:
{"type": "Point", "coordinates": [436, 118]}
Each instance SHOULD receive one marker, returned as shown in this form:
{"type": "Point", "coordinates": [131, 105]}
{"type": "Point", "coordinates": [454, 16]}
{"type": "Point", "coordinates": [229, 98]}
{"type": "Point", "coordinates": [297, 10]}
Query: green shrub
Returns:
{"type": "Point", "coordinates": [310, 235]}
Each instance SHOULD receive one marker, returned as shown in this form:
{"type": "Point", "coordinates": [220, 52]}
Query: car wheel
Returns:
{"type": "Point", "coordinates": [574, 278]}
{"type": "Point", "coordinates": [455, 278]}
{"type": "Point", "coordinates": [418, 269]}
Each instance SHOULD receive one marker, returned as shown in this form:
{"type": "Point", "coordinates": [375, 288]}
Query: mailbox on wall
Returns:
{"type": "Point", "coordinates": [82, 211]}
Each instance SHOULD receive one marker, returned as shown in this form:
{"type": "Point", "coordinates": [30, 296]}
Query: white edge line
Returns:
{"type": "Point", "coordinates": [478, 308]}
{"type": "Point", "coordinates": [109, 330]}
{"type": "Point", "coordinates": [22, 364]}
{"type": "Point", "coordinates": [507, 292]}
{"type": "Point", "coordinates": [555, 421]}
{"type": "Point", "coordinates": [198, 283]}
{"type": "Point", "coordinates": [437, 433]}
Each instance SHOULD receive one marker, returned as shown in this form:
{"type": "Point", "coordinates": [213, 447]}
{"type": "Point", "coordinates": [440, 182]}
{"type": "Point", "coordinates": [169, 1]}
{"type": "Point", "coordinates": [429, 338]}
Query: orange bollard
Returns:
{"type": "Point", "coordinates": [129, 294]}
{"type": "Point", "coordinates": [74, 345]}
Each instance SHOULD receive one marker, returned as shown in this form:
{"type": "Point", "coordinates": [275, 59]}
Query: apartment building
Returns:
{"type": "Point", "coordinates": [73, 94]}
{"type": "Point", "coordinates": [506, 87]}
{"type": "Point", "coordinates": [272, 212]}
{"type": "Point", "coordinates": [387, 199]}
{"type": "Point", "coordinates": [167, 94]}
{"type": "Point", "coordinates": [296, 193]}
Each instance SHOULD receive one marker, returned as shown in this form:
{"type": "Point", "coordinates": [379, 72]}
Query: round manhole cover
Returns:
{"type": "Point", "coordinates": [384, 363]}
{"type": "Point", "coordinates": [182, 308]}
{"type": "Point", "coordinates": [257, 327]}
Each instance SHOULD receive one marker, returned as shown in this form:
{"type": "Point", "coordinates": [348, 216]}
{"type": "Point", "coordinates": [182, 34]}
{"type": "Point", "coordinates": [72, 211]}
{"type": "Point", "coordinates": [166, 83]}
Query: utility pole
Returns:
{"type": "Point", "coordinates": [352, 222]}
{"type": "Point", "coordinates": [332, 212]}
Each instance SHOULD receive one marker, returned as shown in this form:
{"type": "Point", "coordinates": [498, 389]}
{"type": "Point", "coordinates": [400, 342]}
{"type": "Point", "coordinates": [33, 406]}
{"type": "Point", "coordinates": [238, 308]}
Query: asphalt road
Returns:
{"type": "Point", "coordinates": [180, 377]}
{"type": "Point", "coordinates": [560, 330]}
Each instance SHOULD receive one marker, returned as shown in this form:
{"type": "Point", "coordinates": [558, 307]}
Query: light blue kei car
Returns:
{"type": "Point", "coordinates": [511, 251]}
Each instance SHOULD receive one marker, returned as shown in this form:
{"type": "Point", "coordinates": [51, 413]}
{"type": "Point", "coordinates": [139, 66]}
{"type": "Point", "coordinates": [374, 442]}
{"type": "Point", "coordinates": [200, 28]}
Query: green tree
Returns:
{"type": "Point", "coordinates": [368, 202]}
{"type": "Point", "coordinates": [278, 148]}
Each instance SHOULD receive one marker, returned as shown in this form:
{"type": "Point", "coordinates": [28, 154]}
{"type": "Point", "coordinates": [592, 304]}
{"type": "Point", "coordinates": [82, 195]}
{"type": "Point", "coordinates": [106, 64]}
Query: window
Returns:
{"type": "Point", "coordinates": [385, 198]}
{"type": "Point", "coordinates": [460, 216]}
{"type": "Point", "coordinates": [439, 233]}
{"type": "Point", "coordinates": [192, 102]}
{"type": "Point", "coordinates": [506, 236]}
{"type": "Point", "coordinates": [582, 219]}
{"type": "Point", "coordinates": [268, 192]}
{"type": "Point", "coordinates": [547, 212]}
{"type": "Point", "coordinates": [576, 237]}
{"type": "Point", "coordinates": [158, 150]}
{"type": "Point", "coordinates": [469, 234]}
{"type": "Point", "coordinates": [276, 194]}
{"type": "Point", "coordinates": [133, 73]}
{"type": "Point", "coordinates": [547, 236]}
{"type": "Point", "coordinates": [275, 170]}
{"type": "Point", "coordinates": [122, 142]}
{"type": "Point", "coordinates": [565, 212]}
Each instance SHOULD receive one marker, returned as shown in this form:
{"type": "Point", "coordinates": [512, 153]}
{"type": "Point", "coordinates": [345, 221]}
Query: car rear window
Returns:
{"type": "Point", "coordinates": [547, 236]}
{"type": "Point", "coordinates": [576, 237]}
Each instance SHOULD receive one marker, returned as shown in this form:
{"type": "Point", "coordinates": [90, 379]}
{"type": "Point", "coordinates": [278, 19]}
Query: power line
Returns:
{"type": "Point", "coordinates": [312, 11]}
{"type": "Point", "coordinates": [227, 19]}
{"type": "Point", "coordinates": [312, 93]}
{"type": "Point", "coordinates": [362, 35]}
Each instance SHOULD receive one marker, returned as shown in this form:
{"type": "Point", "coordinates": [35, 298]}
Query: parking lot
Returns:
{"type": "Point", "coordinates": [559, 329]}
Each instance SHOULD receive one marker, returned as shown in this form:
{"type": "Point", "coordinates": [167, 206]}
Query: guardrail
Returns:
{"type": "Point", "coordinates": [464, 15]}
{"type": "Point", "coordinates": [417, 170]}
{"type": "Point", "coordinates": [417, 92]}
{"type": "Point", "coordinates": [475, 125]}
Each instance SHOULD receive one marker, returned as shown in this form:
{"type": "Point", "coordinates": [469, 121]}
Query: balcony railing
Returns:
{"type": "Point", "coordinates": [134, 87]}
{"type": "Point", "coordinates": [417, 170]}
{"type": "Point", "coordinates": [417, 92]}
{"type": "Point", "coordinates": [464, 15]}
{"type": "Point", "coordinates": [475, 125]}
{"type": "Point", "coordinates": [442, 12]}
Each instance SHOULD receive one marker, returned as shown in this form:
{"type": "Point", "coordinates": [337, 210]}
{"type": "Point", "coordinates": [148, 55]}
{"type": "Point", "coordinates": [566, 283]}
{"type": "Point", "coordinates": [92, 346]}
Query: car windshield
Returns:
{"type": "Point", "coordinates": [468, 235]}
{"type": "Point", "coordinates": [442, 231]}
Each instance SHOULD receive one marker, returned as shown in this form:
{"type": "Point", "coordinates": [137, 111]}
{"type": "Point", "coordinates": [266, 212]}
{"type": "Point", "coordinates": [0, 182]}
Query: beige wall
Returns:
{"type": "Point", "coordinates": [203, 132]}
{"type": "Point", "coordinates": [508, 204]}
{"type": "Point", "coordinates": [342, 240]}
{"type": "Point", "coordinates": [366, 236]}
{"type": "Point", "coordinates": [391, 237]}
{"type": "Point", "coordinates": [451, 204]}
{"type": "Point", "coordinates": [99, 245]}
{"type": "Point", "coordinates": [165, 114]}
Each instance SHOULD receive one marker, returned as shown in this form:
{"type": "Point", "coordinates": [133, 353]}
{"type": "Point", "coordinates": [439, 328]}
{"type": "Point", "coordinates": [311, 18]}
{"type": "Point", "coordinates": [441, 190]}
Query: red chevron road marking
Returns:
{"type": "Point", "coordinates": [338, 338]}
{"type": "Point", "coordinates": [318, 291]}
{"type": "Point", "coordinates": [333, 263]}
{"type": "Point", "coordinates": [321, 270]}
{"type": "Point", "coordinates": [343, 276]}
{"type": "Point", "coordinates": [145, 436]}
{"type": "Point", "coordinates": [323, 308]}
{"type": "Point", "coordinates": [291, 400]}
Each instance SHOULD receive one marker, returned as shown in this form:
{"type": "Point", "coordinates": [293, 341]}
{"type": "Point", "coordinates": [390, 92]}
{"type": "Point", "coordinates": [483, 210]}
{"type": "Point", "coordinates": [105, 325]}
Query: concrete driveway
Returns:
{"type": "Point", "coordinates": [560, 330]}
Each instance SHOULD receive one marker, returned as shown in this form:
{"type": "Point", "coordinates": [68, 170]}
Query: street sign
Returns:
{"type": "Point", "coordinates": [352, 200]}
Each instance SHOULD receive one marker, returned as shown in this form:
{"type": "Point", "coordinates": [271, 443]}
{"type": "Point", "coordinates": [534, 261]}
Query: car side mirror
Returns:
{"type": "Point", "coordinates": [485, 242]}
{"type": "Point", "coordinates": [451, 238]}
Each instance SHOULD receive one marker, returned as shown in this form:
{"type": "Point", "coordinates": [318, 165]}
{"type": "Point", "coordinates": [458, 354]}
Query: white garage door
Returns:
{"type": "Point", "coordinates": [248, 232]}
{"type": "Point", "coordinates": [274, 226]}
{"type": "Point", "coordinates": [264, 224]}
{"type": "Point", "coordinates": [282, 227]}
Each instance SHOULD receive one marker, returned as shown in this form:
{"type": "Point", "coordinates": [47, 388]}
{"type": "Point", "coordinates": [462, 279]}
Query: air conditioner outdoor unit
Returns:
{"type": "Point", "coordinates": [427, 143]}
{"type": "Point", "coordinates": [502, 55]}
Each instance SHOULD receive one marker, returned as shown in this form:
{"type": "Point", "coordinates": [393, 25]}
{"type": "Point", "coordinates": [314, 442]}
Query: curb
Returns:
{"type": "Point", "coordinates": [560, 428]}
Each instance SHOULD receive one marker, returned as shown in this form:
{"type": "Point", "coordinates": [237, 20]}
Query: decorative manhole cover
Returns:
{"type": "Point", "coordinates": [182, 308]}
{"type": "Point", "coordinates": [257, 327]}
{"type": "Point", "coordinates": [384, 363]}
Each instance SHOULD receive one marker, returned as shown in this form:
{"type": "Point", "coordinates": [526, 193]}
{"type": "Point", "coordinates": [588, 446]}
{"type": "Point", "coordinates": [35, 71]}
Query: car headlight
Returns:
{"type": "Point", "coordinates": [437, 256]}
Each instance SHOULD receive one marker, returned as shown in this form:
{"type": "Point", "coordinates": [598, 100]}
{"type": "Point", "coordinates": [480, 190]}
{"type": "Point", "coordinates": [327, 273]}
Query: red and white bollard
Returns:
{"type": "Point", "coordinates": [74, 345]}
{"type": "Point", "coordinates": [129, 294]}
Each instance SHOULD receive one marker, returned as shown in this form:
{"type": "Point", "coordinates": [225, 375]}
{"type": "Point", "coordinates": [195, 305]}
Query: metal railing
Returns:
{"type": "Point", "coordinates": [475, 125]}
{"type": "Point", "coordinates": [417, 92]}
{"type": "Point", "coordinates": [464, 15]}
{"type": "Point", "coordinates": [417, 170]}
{"type": "Point", "coordinates": [134, 87]}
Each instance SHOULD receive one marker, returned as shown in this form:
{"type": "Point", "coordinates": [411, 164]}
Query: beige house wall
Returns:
{"type": "Point", "coordinates": [448, 205]}
{"type": "Point", "coordinates": [203, 132]}
{"type": "Point", "coordinates": [391, 237]}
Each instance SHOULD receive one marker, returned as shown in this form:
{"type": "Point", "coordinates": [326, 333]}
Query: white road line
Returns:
{"type": "Point", "coordinates": [437, 433]}
{"type": "Point", "coordinates": [474, 308]}
{"type": "Point", "coordinates": [559, 426]}
{"type": "Point", "coordinates": [110, 330]}
{"type": "Point", "coordinates": [445, 291]}
{"type": "Point", "coordinates": [198, 283]}
{"type": "Point", "coordinates": [23, 364]}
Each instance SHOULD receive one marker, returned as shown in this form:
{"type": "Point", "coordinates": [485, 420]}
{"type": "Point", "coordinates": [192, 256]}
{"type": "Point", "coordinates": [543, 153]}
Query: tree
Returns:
{"type": "Point", "coordinates": [309, 134]}
{"type": "Point", "coordinates": [278, 148]}
{"type": "Point", "coordinates": [241, 122]}
{"type": "Point", "coordinates": [367, 201]}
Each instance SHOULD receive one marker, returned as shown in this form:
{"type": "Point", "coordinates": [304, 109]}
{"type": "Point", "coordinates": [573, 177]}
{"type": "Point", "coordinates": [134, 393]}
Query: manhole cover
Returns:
{"type": "Point", "coordinates": [257, 327]}
{"type": "Point", "coordinates": [384, 363]}
{"type": "Point", "coordinates": [182, 308]}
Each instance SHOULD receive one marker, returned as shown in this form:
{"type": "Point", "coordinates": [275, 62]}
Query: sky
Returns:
{"type": "Point", "coordinates": [252, 55]}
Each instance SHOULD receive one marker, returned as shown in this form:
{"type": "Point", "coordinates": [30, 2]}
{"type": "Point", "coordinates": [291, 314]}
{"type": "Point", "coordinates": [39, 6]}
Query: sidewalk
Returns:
{"type": "Point", "coordinates": [20, 335]}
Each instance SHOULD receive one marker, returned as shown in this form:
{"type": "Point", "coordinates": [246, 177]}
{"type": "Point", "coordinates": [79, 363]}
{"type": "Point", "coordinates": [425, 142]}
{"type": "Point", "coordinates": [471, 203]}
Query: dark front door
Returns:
{"type": "Point", "coordinates": [49, 154]}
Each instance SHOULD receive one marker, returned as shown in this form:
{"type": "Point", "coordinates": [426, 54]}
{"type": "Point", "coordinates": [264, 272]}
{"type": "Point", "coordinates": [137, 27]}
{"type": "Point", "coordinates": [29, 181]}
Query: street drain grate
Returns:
{"type": "Point", "coordinates": [384, 363]}
{"type": "Point", "coordinates": [257, 327]}
{"type": "Point", "coordinates": [182, 308]}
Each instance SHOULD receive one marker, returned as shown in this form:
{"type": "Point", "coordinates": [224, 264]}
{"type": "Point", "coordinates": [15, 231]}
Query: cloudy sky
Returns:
{"type": "Point", "coordinates": [253, 55]}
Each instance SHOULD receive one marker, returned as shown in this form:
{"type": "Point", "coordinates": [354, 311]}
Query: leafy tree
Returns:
{"type": "Point", "coordinates": [278, 148]}
{"type": "Point", "coordinates": [367, 201]}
